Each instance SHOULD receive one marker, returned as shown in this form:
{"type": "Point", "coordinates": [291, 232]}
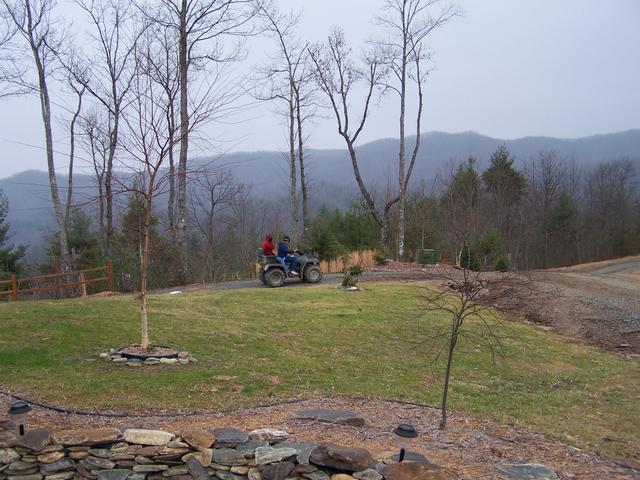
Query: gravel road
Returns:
{"type": "Point", "coordinates": [598, 303]}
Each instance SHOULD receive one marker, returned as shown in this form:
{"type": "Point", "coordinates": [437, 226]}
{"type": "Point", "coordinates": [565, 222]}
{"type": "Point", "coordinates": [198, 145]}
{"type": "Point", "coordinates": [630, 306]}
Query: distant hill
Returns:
{"type": "Point", "coordinates": [330, 171]}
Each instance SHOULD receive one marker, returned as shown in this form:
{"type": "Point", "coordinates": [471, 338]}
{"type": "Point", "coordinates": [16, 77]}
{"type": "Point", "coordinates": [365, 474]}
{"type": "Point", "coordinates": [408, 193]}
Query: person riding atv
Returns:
{"type": "Point", "coordinates": [275, 269]}
{"type": "Point", "coordinates": [288, 255]}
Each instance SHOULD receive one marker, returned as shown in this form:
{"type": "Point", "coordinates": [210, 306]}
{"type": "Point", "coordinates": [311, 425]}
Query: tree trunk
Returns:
{"type": "Point", "coordinates": [72, 147]}
{"type": "Point", "coordinates": [401, 152]}
{"type": "Point", "coordinates": [303, 178]}
{"type": "Point", "coordinates": [144, 269]}
{"type": "Point", "coordinates": [45, 105]}
{"type": "Point", "coordinates": [171, 207]}
{"type": "Point", "coordinates": [445, 393]}
{"type": "Point", "coordinates": [184, 145]}
{"type": "Point", "coordinates": [293, 177]}
{"type": "Point", "coordinates": [363, 188]}
{"type": "Point", "coordinates": [108, 178]}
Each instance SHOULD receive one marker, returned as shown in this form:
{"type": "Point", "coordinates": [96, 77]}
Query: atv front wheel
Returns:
{"type": "Point", "coordinates": [312, 274]}
{"type": "Point", "coordinates": [274, 278]}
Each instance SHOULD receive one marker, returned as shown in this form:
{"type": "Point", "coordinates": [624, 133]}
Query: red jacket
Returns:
{"type": "Point", "coordinates": [267, 246]}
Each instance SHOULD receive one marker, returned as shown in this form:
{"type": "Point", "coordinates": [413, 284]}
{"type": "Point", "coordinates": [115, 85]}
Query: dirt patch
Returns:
{"type": "Point", "coordinates": [601, 309]}
{"type": "Point", "coordinates": [470, 447]}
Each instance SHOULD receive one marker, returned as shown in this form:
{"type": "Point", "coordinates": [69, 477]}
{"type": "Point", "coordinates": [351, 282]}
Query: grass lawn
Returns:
{"type": "Point", "coordinates": [260, 345]}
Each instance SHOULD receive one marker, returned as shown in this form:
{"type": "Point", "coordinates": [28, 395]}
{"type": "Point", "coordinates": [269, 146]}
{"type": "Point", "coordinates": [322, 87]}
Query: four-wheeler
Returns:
{"type": "Point", "coordinates": [273, 271]}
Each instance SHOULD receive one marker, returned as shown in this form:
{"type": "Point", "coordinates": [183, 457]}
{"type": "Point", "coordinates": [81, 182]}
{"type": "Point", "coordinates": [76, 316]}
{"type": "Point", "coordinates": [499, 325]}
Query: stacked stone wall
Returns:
{"type": "Point", "coordinates": [224, 454]}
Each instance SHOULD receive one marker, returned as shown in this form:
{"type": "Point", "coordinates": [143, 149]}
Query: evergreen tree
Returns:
{"type": "Point", "coordinates": [501, 180]}
{"type": "Point", "coordinates": [10, 255]}
{"type": "Point", "coordinates": [505, 188]}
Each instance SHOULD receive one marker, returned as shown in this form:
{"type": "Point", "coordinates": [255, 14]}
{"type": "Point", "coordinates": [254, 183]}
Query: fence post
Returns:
{"type": "Point", "coordinates": [14, 288]}
{"type": "Point", "coordinates": [83, 285]}
{"type": "Point", "coordinates": [110, 274]}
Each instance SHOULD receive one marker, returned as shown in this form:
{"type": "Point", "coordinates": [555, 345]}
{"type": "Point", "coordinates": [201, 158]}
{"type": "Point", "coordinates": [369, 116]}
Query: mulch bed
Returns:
{"type": "Point", "coordinates": [471, 447]}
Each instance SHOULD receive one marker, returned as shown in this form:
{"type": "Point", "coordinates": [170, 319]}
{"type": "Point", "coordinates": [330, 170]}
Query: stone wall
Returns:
{"type": "Point", "coordinates": [225, 454]}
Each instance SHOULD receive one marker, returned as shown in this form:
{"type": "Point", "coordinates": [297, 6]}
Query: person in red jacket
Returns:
{"type": "Point", "coordinates": [267, 246]}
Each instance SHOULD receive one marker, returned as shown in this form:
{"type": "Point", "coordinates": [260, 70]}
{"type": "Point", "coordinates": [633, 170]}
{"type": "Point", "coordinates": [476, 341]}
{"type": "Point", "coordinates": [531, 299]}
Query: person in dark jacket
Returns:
{"type": "Point", "coordinates": [268, 248]}
{"type": "Point", "coordinates": [287, 254]}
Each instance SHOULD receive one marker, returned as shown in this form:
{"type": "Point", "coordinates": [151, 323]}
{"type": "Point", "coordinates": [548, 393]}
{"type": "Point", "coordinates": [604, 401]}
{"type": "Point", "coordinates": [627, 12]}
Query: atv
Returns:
{"type": "Point", "coordinates": [273, 272]}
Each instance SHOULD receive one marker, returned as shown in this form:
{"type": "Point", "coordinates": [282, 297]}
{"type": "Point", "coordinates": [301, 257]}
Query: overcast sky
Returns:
{"type": "Point", "coordinates": [564, 68]}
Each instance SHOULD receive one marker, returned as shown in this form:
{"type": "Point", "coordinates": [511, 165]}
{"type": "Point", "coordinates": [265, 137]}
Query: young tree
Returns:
{"type": "Point", "coordinates": [466, 297]}
{"type": "Point", "coordinates": [10, 255]}
{"type": "Point", "coordinates": [147, 141]}
{"type": "Point", "coordinates": [36, 30]}
{"type": "Point", "coordinates": [408, 24]}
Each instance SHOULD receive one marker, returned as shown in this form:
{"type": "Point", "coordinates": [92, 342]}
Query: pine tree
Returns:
{"type": "Point", "coordinates": [10, 255]}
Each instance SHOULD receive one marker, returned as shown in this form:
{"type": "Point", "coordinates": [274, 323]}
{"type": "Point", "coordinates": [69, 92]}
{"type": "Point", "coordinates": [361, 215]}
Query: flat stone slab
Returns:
{"type": "Point", "coordinates": [34, 439]}
{"type": "Point", "coordinates": [229, 437]}
{"type": "Point", "coordinates": [265, 455]}
{"type": "Point", "coordinates": [87, 436]}
{"type": "Point", "coordinates": [8, 455]}
{"type": "Point", "coordinates": [303, 450]}
{"type": "Point", "coordinates": [271, 435]}
{"type": "Point", "coordinates": [147, 437]}
{"type": "Point", "coordinates": [341, 458]}
{"type": "Point", "coordinates": [526, 471]}
{"type": "Point", "coordinates": [116, 474]}
{"type": "Point", "coordinates": [341, 417]}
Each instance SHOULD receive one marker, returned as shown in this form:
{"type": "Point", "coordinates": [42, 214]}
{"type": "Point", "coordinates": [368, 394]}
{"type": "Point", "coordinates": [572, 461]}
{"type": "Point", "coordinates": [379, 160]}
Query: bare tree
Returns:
{"type": "Point", "coordinates": [108, 75]}
{"type": "Point", "coordinates": [214, 192]}
{"type": "Point", "coordinates": [10, 70]}
{"type": "Point", "coordinates": [546, 178]}
{"type": "Point", "coordinates": [408, 23]}
{"type": "Point", "coordinates": [37, 31]}
{"type": "Point", "coordinates": [147, 142]}
{"type": "Point", "coordinates": [337, 76]}
{"type": "Point", "coordinates": [287, 77]}
{"type": "Point", "coordinates": [465, 297]}
{"type": "Point", "coordinates": [167, 75]}
{"type": "Point", "coordinates": [94, 136]}
{"type": "Point", "coordinates": [202, 29]}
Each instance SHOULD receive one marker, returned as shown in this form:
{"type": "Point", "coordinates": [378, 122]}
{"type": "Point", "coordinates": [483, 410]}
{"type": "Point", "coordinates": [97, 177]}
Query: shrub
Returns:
{"type": "Point", "coordinates": [380, 258]}
{"type": "Point", "coordinates": [502, 264]}
{"type": "Point", "coordinates": [352, 275]}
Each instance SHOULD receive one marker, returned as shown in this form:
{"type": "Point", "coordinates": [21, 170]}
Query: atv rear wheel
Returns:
{"type": "Point", "coordinates": [261, 277]}
{"type": "Point", "coordinates": [274, 277]}
{"type": "Point", "coordinates": [312, 274]}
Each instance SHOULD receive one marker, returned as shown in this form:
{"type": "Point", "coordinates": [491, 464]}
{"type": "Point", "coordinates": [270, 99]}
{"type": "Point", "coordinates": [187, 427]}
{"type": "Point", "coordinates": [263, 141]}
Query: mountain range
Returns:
{"type": "Point", "coordinates": [330, 171]}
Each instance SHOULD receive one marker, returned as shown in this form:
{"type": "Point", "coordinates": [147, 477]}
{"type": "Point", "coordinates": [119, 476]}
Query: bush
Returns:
{"type": "Point", "coordinates": [502, 264]}
{"type": "Point", "coordinates": [352, 275]}
{"type": "Point", "coordinates": [469, 258]}
{"type": "Point", "coordinates": [380, 258]}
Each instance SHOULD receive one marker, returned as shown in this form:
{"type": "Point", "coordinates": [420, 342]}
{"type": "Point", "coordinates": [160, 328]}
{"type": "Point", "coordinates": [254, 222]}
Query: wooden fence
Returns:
{"type": "Point", "coordinates": [58, 281]}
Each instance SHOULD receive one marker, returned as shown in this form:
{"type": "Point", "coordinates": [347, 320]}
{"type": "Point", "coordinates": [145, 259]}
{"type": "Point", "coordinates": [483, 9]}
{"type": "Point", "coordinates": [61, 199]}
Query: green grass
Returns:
{"type": "Point", "coordinates": [285, 343]}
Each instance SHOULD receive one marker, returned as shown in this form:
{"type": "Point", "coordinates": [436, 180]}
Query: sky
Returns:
{"type": "Point", "coordinates": [507, 69]}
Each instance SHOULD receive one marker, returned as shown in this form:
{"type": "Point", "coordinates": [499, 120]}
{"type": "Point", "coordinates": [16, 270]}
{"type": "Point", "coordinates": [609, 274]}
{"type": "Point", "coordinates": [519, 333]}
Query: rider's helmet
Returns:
{"type": "Point", "coordinates": [286, 238]}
